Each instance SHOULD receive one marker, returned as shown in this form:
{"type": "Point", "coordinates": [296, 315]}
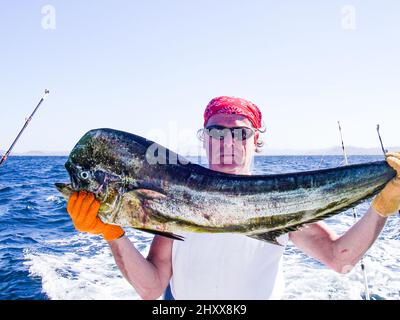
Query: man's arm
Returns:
{"type": "Point", "coordinates": [339, 253]}
{"type": "Point", "coordinates": [149, 276]}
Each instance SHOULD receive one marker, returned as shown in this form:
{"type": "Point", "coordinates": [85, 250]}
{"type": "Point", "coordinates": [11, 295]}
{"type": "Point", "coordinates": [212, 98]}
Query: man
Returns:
{"type": "Point", "coordinates": [231, 266]}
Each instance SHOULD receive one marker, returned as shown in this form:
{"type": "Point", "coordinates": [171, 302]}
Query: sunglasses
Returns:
{"type": "Point", "coordinates": [221, 132]}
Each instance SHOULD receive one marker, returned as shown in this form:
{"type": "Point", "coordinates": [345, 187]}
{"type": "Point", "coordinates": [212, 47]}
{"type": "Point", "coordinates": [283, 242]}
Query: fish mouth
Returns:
{"type": "Point", "coordinates": [65, 189]}
{"type": "Point", "coordinates": [60, 186]}
{"type": "Point", "coordinates": [100, 191]}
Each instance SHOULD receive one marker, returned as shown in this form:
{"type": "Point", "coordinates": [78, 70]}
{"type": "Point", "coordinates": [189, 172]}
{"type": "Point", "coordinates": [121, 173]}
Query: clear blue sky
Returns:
{"type": "Point", "coordinates": [150, 67]}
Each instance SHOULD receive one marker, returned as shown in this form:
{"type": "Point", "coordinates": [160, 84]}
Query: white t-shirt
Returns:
{"type": "Point", "coordinates": [226, 266]}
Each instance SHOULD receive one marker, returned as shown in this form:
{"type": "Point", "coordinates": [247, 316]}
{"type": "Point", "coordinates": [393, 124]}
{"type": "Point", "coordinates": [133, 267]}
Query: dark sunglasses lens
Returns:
{"type": "Point", "coordinates": [217, 133]}
{"type": "Point", "coordinates": [243, 133]}
{"type": "Point", "coordinates": [220, 133]}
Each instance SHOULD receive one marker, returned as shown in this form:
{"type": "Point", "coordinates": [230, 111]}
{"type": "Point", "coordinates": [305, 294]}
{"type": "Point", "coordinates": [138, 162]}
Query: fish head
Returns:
{"type": "Point", "coordinates": [95, 179]}
{"type": "Point", "coordinates": [112, 165]}
{"type": "Point", "coordinates": [103, 162]}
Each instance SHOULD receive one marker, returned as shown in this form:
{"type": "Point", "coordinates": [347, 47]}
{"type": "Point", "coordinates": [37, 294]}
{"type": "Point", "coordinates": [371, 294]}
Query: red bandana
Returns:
{"type": "Point", "coordinates": [233, 105]}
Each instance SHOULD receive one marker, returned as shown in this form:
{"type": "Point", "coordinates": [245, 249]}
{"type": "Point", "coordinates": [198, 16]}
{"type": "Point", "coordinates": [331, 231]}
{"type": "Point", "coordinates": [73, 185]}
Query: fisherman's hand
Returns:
{"type": "Point", "coordinates": [387, 202]}
{"type": "Point", "coordinates": [83, 208]}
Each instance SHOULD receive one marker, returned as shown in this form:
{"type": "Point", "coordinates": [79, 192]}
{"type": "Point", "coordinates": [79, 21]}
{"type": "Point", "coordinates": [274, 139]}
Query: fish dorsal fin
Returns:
{"type": "Point", "coordinates": [164, 234]}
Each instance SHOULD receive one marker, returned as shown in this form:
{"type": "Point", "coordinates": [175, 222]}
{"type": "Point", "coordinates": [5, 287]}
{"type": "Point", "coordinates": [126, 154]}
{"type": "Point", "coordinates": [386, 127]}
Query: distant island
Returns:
{"type": "Point", "coordinates": [37, 153]}
{"type": "Point", "coordinates": [334, 151]}
{"type": "Point", "coordinates": [266, 151]}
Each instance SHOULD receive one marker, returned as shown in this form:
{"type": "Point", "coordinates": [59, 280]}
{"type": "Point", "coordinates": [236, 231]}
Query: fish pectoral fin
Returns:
{"type": "Point", "coordinates": [267, 237]}
{"type": "Point", "coordinates": [164, 234]}
{"type": "Point", "coordinates": [149, 194]}
{"type": "Point", "coordinates": [271, 236]}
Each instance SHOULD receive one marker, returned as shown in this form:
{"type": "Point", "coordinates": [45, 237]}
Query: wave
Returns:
{"type": "Point", "coordinates": [84, 269]}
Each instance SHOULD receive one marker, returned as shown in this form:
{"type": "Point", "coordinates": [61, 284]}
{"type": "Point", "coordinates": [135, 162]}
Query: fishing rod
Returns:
{"type": "Point", "coordinates": [4, 158]}
{"type": "Point", "coordinates": [355, 216]}
{"type": "Point", "coordinates": [380, 140]}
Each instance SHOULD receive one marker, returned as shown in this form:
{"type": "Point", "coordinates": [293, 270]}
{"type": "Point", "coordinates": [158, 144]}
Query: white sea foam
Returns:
{"type": "Point", "coordinates": [86, 271]}
{"type": "Point", "coordinates": [53, 199]}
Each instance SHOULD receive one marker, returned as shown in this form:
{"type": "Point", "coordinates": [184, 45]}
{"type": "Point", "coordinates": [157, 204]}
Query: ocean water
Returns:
{"type": "Point", "coordinates": [43, 257]}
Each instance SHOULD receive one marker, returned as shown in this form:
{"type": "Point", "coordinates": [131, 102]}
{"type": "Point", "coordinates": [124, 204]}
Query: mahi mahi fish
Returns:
{"type": "Point", "coordinates": [144, 185]}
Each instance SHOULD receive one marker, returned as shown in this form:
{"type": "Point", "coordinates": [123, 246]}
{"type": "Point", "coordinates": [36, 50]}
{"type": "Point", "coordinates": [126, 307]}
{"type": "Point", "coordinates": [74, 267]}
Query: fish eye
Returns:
{"type": "Point", "coordinates": [84, 175]}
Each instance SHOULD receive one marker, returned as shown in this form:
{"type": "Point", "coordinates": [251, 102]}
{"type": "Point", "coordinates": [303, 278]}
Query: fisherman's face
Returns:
{"type": "Point", "coordinates": [230, 152]}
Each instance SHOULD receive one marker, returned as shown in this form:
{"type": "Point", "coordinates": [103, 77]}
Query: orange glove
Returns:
{"type": "Point", "coordinates": [83, 208]}
{"type": "Point", "coordinates": [387, 202]}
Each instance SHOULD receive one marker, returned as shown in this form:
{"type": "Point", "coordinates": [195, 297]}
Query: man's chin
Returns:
{"type": "Point", "coordinates": [230, 160]}
{"type": "Point", "coordinates": [227, 167]}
